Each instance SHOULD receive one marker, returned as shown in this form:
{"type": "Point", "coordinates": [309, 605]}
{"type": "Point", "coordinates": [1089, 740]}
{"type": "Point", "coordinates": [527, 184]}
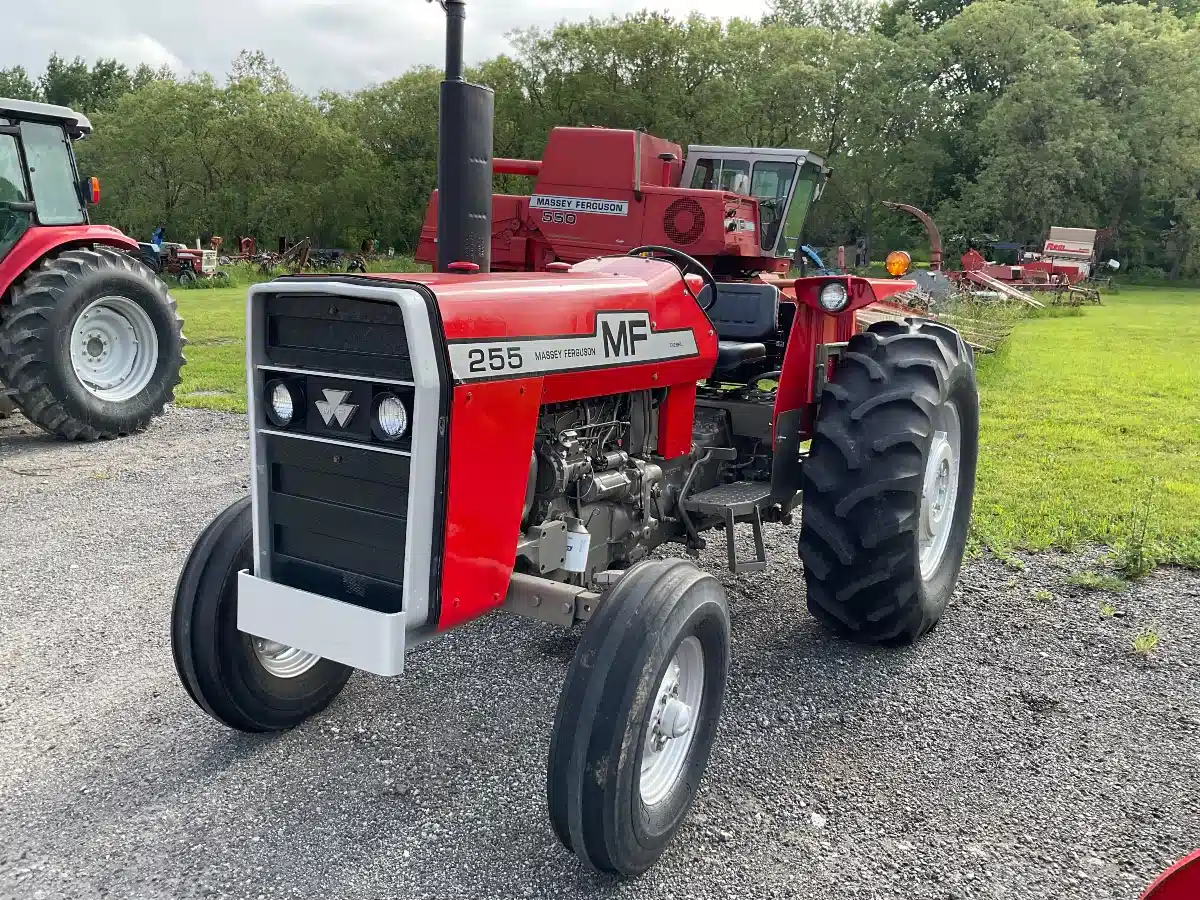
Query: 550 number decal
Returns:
{"type": "Point", "coordinates": [558, 218]}
{"type": "Point", "coordinates": [497, 359]}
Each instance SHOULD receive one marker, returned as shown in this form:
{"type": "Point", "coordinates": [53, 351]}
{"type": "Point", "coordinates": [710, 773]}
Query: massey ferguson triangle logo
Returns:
{"type": "Point", "coordinates": [334, 406]}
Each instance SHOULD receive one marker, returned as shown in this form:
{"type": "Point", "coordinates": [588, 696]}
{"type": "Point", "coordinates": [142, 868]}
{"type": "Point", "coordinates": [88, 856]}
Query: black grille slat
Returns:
{"type": "Point", "coordinates": [338, 514]}
{"type": "Point", "coordinates": [359, 526]}
{"type": "Point", "coordinates": [372, 593]}
{"type": "Point", "coordinates": [373, 496]}
{"type": "Point", "coordinates": [337, 334]}
{"type": "Point", "coordinates": [338, 553]}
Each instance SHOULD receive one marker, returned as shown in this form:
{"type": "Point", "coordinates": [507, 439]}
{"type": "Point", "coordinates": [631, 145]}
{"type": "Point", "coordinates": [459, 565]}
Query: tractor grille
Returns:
{"type": "Point", "coordinates": [337, 334]}
{"type": "Point", "coordinates": [338, 511]}
{"type": "Point", "coordinates": [338, 520]}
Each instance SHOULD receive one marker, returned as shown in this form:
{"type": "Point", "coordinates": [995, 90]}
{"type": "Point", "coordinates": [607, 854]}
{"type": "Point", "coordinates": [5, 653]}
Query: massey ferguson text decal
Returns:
{"type": "Point", "coordinates": [621, 339]}
{"type": "Point", "coordinates": [580, 205]}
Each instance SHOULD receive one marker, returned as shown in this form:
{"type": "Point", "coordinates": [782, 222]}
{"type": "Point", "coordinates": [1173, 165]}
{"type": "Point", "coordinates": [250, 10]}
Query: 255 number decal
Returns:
{"type": "Point", "coordinates": [497, 359]}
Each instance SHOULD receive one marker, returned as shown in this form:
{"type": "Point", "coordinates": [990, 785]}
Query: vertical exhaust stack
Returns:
{"type": "Point", "coordinates": [464, 157]}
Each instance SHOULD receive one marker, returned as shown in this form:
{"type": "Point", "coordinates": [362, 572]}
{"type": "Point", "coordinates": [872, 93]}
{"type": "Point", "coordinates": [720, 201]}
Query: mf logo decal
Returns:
{"type": "Point", "coordinates": [335, 407]}
{"type": "Point", "coordinates": [620, 339]}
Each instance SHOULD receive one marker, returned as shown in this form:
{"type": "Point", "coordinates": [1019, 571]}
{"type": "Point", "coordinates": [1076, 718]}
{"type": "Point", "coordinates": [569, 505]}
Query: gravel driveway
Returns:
{"type": "Point", "coordinates": [1021, 750]}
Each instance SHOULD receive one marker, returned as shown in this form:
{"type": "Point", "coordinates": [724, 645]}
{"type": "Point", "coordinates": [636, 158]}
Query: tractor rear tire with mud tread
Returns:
{"type": "Point", "coordinates": [881, 432]}
{"type": "Point", "coordinates": [219, 665]}
{"type": "Point", "coordinates": [36, 334]}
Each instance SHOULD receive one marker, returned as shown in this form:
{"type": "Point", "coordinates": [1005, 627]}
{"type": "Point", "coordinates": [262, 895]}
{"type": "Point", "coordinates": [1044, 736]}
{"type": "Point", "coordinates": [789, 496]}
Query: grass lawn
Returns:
{"type": "Point", "coordinates": [1091, 429]}
{"type": "Point", "coordinates": [1091, 423]}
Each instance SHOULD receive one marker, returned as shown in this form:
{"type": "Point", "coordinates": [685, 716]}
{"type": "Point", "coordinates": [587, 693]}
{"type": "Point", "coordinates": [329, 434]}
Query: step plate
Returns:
{"type": "Point", "coordinates": [742, 496]}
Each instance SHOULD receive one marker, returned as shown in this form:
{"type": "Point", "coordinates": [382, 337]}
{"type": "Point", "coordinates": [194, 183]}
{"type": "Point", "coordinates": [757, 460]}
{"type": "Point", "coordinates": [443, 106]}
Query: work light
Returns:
{"type": "Point", "coordinates": [391, 417]}
{"type": "Point", "coordinates": [833, 297]}
{"type": "Point", "coordinates": [283, 401]}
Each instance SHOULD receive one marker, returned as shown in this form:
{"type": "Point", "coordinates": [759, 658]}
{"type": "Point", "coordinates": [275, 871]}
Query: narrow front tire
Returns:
{"type": "Point", "coordinates": [638, 715]}
{"type": "Point", "coordinates": [242, 681]}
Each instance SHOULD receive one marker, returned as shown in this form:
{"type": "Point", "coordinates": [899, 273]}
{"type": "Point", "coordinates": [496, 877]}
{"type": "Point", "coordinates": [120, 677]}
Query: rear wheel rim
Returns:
{"type": "Point", "coordinates": [939, 491]}
{"type": "Point", "coordinates": [671, 728]}
{"type": "Point", "coordinates": [114, 349]}
{"type": "Point", "coordinates": [281, 660]}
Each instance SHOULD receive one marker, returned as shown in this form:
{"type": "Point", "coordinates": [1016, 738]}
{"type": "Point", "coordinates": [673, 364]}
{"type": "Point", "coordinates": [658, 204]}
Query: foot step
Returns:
{"type": "Point", "coordinates": [742, 501]}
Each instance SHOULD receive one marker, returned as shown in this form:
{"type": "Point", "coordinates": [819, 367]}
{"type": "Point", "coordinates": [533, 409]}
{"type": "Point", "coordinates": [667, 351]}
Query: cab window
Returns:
{"type": "Point", "coordinates": [731, 175]}
{"type": "Point", "coordinates": [12, 190]}
{"type": "Point", "coordinates": [772, 184]}
{"type": "Point", "coordinates": [52, 174]}
{"type": "Point", "coordinates": [793, 229]}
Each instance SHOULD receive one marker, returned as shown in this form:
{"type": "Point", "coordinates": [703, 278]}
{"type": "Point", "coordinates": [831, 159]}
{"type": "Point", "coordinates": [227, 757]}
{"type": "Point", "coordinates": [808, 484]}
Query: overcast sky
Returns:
{"type": "Point", "coordinates": [338, 44]}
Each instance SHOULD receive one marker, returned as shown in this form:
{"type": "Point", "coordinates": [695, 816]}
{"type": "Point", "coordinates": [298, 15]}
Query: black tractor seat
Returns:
{"type": "Point", "coordinates": [733, 355]}
{"type": "Point", "coordinates": [745, 316]}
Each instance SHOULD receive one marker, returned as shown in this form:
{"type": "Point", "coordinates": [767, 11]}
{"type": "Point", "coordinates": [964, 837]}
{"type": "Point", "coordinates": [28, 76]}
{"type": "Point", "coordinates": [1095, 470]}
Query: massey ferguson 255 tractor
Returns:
{"type": "Point", "coordinates": [90, 344]}
{"type": "Point", "coordinates": [426, 449]}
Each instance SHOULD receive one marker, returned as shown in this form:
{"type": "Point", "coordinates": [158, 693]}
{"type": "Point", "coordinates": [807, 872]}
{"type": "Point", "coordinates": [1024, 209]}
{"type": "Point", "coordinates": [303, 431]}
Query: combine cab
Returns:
{"type": "Point", "coordinates": [428, 449]}
{"type": "Point", "coordinates": [90, 343]}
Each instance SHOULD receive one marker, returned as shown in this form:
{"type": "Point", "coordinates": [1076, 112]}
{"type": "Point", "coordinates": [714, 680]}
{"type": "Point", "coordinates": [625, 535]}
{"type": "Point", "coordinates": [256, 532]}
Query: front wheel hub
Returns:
{"type": "Point", "coordinates": [669, 731]}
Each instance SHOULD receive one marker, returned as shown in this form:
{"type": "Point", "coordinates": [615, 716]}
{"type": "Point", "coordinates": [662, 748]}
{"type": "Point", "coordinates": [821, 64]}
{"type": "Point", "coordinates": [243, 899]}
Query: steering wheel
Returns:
{"type": "Point", "coordinates": [686, 264]}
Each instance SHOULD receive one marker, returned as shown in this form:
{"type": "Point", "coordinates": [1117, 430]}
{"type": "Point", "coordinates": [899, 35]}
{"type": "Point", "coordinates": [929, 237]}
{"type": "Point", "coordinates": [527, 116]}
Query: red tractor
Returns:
{"type": "Point", "coordinates": [428, 449]}
{"type": "Point", "coordinates": [90, 343]}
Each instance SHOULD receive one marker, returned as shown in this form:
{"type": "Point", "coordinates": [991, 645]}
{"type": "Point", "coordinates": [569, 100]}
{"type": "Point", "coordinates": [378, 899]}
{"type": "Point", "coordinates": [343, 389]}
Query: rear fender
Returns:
{"type": "Point", "coordinates": [41, 241]}
{"type": "Point", "coordinates": [862, 291]}
{"type": "Point", "coordinates": [813, 326]}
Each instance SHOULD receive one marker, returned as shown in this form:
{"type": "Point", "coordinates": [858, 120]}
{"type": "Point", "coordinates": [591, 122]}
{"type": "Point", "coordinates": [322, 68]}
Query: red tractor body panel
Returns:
{"type": "Point", "coordinates": [494, 411]}
{"type": "Point", "coordinates": [603, 191]}
{"type": "Point", "coordinates": [494, 327]}
{"type": "Point", "coordinates": [38, 242]}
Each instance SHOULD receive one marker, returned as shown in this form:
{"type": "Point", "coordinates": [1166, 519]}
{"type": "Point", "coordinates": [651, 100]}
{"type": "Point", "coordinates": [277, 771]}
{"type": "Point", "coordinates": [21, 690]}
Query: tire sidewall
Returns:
{"type": "Point", "coordinates": [641, 832]}
{"type": "Point", "coordinates": [935, 592]}
{"type": "Point", "coordinates": [140, 288]}
{"type": "Point", "coordinates": [224, 658]}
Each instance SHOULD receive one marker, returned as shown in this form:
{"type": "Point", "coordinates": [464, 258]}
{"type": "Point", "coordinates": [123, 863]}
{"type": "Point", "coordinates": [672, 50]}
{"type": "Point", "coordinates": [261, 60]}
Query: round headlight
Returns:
{"type": "Point", "coordinates": [833, 297]}
{"type": "Point", "coordinates": [391, 417]}
{"type": "Point", "coordinates": [281, 404]}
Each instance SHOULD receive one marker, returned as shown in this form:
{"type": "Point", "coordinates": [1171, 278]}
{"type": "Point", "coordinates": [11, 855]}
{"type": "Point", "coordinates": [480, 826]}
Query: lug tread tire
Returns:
{"type": "Point", "coordinates": [35, 361]}
{"type": "Point", "coordinates": [863, 479]}
{"type": "Point", "coordinates": [595, 748]}
{"type": "Point", "coordinates": [215, 661]}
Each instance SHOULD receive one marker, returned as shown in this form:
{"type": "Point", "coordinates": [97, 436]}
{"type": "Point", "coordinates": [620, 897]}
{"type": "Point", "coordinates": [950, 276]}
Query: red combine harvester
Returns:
{"type": "Point", "coordinates": [428, 449]}
{"type": "Point", "coordinates": [598, 191]}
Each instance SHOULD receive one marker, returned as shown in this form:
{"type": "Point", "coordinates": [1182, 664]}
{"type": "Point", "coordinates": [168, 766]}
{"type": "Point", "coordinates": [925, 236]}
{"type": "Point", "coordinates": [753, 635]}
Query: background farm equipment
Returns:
{"type": "Point", "coordinates": [1067, 266]}
{"type": "Point", "coordinates": [90, 343]}
{"type": "Point", "coordinates": [429, 448]}
{"type": "Point", "coordinates": [188, 264]}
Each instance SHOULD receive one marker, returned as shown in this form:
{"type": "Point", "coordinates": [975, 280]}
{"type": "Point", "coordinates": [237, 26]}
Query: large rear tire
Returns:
{"type": "Point", "coordinates": [241, 681]}
{"type": "Point", "coordinates": [889, 482]}
{"type": "Point", "coordinates": [91, 344]}
{"type": "Point", "coordinates": [638, 715]}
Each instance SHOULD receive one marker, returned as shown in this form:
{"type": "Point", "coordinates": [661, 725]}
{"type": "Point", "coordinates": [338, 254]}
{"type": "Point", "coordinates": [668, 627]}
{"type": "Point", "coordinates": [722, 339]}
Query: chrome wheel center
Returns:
{"type": "Point", "coordinates": [939, 492]}
{"type": "Point", "coordinates": [281, 660]}
{"type": "Point", "coordinates": [670, 729]}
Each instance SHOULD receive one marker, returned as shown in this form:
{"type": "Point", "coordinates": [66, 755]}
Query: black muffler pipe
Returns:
{"type": "Point", "coordinates": [465, 133]}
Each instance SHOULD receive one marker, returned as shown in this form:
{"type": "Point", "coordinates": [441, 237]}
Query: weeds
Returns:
{"type": "Point", "coordinates": [1107, 610]}
{"type": "Point", "coordinates": [1134, 559]}
{"type": "Point", "coordinates": [1043, 596]}
{"type": "Point", "coordinates": [1095, 581]}
{"type": "Point", "coordinates": [1145, 642]}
